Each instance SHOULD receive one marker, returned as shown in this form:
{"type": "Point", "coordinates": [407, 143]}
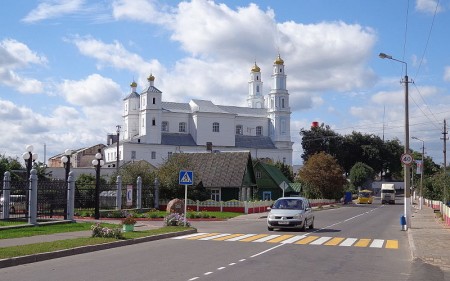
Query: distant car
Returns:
{"type": "Point", "coordinates": [365, 197]}
{"type": "Point", "coordinates": [17, 204]}
{"type": "Point", "coordinates": [290, 212]}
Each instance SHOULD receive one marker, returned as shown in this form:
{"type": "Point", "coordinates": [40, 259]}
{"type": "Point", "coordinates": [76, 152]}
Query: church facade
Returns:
{"type": "Point", "coordinates": [154, 129]}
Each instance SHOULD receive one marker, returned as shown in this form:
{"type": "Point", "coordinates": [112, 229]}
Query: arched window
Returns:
{"type": "Point", "coordinates": [153, 122]}
{"type": "Point", "coordinates": [154, 100]}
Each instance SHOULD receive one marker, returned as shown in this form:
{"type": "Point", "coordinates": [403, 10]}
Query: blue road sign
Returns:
{"type": "Point", "coordinates": [186, 177]}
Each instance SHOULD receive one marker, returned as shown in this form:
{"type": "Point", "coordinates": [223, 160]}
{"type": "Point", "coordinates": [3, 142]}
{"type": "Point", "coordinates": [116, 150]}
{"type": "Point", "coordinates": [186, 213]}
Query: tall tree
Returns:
{"type": "Point", "coordinates": [324, 173]}
{"type": "Point", "coordinates": [9, 164]}
{"type": "Point", "coordinates": [360, 174]}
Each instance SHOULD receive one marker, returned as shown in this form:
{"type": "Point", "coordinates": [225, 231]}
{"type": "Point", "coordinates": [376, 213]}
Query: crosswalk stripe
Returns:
{"type": "Point", "coordinates": [201, 236]}
{"type": "Point", "coordinates": [240, 237]}
{"type": "Point", "coordinates": [335, 241]}
{"type": "Point", "coordinates": [362, 243]}
{"type": "Point", "coordinates": [392, 244]}
{"type": "Point", "coordinates": [214, 236]}
{"type": "Point", "coordinates": [280, 238]}
{"type": "Point", "coordinates": [348, 242]}
{"type": "Point", "coordinates": [293, 239]}
{"type": "Point", "coordinates": [320, 241]}
{"type": "Point", "coordinates": [227, 237]}
{"type": "Point", "coordinates": [264, 239]}
{"type": "Point", "coordinates": [307, 240]}
{"type": "Point", "coordinates": [253, 238]}
{"type": "Point", "coordinates": [189, 235]}
{"type": "Point", "coordinates": [377, 243]}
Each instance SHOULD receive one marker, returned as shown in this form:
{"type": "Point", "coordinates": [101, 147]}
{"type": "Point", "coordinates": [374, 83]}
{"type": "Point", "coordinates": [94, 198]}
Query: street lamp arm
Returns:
{"type": "Point", "coordinates": [384, 56]}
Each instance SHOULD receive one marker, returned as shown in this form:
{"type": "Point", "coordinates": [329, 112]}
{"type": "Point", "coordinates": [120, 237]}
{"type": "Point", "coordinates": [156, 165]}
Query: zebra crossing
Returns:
{"type": "Point", "coordinates": [304, 239]}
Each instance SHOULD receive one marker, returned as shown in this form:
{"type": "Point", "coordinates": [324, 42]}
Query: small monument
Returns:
{"type": "Point", "coordinates": [175, 206]}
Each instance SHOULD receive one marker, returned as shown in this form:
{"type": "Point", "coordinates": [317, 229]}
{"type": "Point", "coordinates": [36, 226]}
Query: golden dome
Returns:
{"type": "Point", "coordinates": [133, 84]}
{"type": "Point", "coordinates": [151, 78]}
{"type": "Point", "coordinates": [256, 68]}
{"type": "Point", "coordinates": [279, 60]}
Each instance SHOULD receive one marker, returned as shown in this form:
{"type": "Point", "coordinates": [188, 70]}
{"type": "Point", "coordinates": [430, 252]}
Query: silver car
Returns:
{"type": "Point", "coordinates": [290, 212]}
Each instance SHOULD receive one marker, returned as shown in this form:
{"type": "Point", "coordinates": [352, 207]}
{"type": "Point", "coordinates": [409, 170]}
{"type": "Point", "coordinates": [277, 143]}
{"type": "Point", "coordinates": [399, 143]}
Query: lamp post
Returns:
{"type": "Point", "coordinates": [422, 166]}
{"type": "Point", "coordinates": [66, 162]}
{"type": "Point", "coordinates": [97, 163]}
{"type": "Point", "coordinates": [406, 170]}
{"type": "Point", "coordinates": [29, 157]}
{"type": "Point", "coordinates": [117, 152]}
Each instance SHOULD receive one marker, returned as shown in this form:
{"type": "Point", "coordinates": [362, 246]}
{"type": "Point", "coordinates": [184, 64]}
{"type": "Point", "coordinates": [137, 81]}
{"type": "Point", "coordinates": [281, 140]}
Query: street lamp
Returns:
{"type": "Point", "coordinates": [29, 157]}
{"type": "Point", "coordinates": [406, 170]}
{"type": "Point", "coordinates": [66, 162]}
{"type": "Point", "coordinates": [97, 163]}
{"type": "Point", "coordinates": [421, 173]}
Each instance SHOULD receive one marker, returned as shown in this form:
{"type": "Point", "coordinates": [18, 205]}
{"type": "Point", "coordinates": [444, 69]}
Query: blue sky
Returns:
{"type": "Point", "coordinates": [66, 65]}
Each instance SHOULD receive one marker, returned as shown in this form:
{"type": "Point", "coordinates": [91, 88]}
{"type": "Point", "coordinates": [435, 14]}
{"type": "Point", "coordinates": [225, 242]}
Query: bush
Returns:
{"type": "Point", "coordinates": [105, 232]}
{"type": "Point", "coordinates": [175, 219]}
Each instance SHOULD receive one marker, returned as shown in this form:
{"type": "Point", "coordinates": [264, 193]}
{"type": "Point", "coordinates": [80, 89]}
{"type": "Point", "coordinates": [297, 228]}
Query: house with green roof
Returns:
{"type": "Point", "coordinates": [269, 180]}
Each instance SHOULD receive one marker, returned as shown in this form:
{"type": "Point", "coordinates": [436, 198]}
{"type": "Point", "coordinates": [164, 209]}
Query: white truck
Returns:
{"type": "Point", "coordinates": [388, 193]}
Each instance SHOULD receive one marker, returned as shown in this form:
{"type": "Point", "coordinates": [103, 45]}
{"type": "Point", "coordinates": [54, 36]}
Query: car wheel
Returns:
{"type": "Point", "coordinates": [311, 226]}
{"type": "Point", "coordinates": [303, 228]}
{"type": "Point", "coordinates": [270, 228]}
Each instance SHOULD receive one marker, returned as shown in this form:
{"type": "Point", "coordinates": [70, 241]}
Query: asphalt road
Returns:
{"type": "Point", "coordinates": [379, 251]}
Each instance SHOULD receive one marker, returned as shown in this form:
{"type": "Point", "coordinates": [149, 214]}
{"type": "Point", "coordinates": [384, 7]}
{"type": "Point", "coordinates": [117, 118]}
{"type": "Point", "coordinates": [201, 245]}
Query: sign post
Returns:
{"type": "Point", "coordinates": [283, 186]}
{"type": "Point", "coordinates": [185, 178]}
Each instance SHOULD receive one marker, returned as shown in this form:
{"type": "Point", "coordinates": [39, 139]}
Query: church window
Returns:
{"type": "Point", "coordinates": [257, 77]}
{"type": "Point", "coordinates": [239, 130]}
{"type": "Point", "coordinates": [153, 122]}
{"type": "Point", "coordinates": [216, 127]}
{"type": "Point", "coordinates": [182, 127]}
{"type": "Point", "coordinates": [282, 103]}
{"type": "Point", "coordinates": [257, 89]}
{"type": "Point", "coordinates": [154, 100]}
{"type": "Point", "coordinates": [283, 127]}
{"type": "Point", "coordinates": [259, 130]}
{"type": "Point", "coordinates": [164, 126]}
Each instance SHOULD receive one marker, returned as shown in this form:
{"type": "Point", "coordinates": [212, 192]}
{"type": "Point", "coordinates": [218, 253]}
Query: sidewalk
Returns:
{"type": "Point", "coordinates": [429, 237]}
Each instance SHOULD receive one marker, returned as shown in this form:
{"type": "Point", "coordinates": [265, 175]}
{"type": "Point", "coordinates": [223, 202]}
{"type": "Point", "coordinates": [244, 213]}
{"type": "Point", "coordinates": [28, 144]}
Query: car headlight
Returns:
{"type": "Point", "coordinates": [298, 217]}
{"type": "Point", "coordinates": [270, 217]}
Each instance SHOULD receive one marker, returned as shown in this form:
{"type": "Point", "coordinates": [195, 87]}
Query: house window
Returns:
{"type": "Point", "coordinates": [182, 127]}
{"type": "Point", "coordinates": [154, 100]}
{"type": "Point", "coordinates": [164, 126]}
{"type": "Point", "coordinates": [258, 175]}
{"type": "Point", "coordinates": [153, 154]}
{"type": "Point", "coordinates": [153, 122]}
{"type": "Point", "coordinates": [216, 127]}
{"type": "Point", "coordinates": [133, 154]}
{"type": "Point", "coordinates": [267, 195]}
{"type": "Point", "coordinates": [259, 130]}
{"type": "Point", "coordinates": [239, 130]}
{"type": "Point", "coordinates": [215, 194]}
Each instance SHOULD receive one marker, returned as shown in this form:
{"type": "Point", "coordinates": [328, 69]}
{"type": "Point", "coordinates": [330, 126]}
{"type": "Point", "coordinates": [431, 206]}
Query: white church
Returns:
{"type": "Point", "coordinates": [154, 129]}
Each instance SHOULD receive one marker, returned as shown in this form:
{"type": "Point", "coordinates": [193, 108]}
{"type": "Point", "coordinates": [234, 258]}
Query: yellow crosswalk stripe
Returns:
{"type": "Point", "coordinates": [253, 238]}
{"type": "Point", "coordinates": [392, 244]}
{"type": "Point", "coordinates": [227, 237]}
{"type": "Point", "coordinates": [307, 240]}
{"type": "Point", "coordinates": [280, 238]}
{"type": "Point", "coordinates": [335, 241]}
{"type": "Point", "coordinates": [202, 236]}
{"type": "Point", "coordinates": [362, 243]}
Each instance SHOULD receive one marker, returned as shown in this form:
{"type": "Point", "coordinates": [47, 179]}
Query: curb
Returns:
{"type": "Point", "coordinates": [87, 249]}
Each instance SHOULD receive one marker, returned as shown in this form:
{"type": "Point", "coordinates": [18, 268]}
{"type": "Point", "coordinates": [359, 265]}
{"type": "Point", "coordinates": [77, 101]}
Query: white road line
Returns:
{"type": "Point", "coordinates": [270, 249]}
{"type": "Point", "coordinates": [377, 243]}
{"type": "Point", "coordinates": [264, 239]}
{"type": "Point", "coordinates": [241, 260]}
{"type": "Point", "coordinates": [233, 263]}
{"type": "Point", "coordinates": [194, 278]}
{"type": "Point", "coordinates": [293, 239]}
{"type": "Point", "coordinates": [320, 241]}
{"type": "Point", "coordinates": [348, 242]}
{"type": "Point", "coordinates": [220, 268]}
{"type": "Point", "coordinates": [214, 236]}
{"type": "Point", "coordinates": [189, 235]}
{"type": "Point", "coordinates": [207, 273]}
{"type": "Point", "coordinates": [240, 237]}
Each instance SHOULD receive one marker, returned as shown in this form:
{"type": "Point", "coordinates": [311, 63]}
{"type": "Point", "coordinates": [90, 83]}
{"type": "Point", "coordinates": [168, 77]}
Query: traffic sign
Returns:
{"type": "Point", "coordinates": [284, 185]}
{"type": "Point", "coordinates": [407, 159]}
{"type": "Point", "coordinates": [186, 177]}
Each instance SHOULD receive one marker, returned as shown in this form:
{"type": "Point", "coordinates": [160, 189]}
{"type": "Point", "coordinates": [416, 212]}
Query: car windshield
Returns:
{"type": "Point", "coordinates": [292, 204]}
{"type": "Point", "coordinates": [364, 194]}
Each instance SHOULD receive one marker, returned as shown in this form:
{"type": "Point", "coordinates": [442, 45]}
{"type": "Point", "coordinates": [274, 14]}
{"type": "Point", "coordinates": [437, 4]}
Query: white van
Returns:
{"type": "Point", "coordinates": [388, 193]}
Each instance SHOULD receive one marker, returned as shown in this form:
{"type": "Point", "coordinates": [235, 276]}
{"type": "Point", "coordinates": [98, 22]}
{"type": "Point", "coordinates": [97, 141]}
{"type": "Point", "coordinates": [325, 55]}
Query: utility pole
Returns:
{"type": "Point", "coordinates": [117, 152]}
{"type": "Point", "coordinates": [445, 159]}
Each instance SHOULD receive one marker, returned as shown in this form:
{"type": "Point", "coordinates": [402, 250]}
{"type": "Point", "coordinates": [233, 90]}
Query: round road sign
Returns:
{"type": "Point", "coordinates": [407, 159]}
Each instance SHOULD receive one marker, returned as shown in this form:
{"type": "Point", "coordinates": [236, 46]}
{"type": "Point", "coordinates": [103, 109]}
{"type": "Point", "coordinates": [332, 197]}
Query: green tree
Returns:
{"type": "Point", "coordinates": [286, 170]}
{"type": "Point", "coordinates": [9, 164]}
{"type": "Point", "coordinates": [323, 173]}
{"type": "Point", "coordinates": [360, 174]}
{"type": "Point", "coordinates": [131, 171]}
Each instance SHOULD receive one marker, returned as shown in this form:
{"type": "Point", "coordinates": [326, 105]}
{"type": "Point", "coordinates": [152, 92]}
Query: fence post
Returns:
{"type": "Point", "coordinates": [119, 193]}
{"type": "Point", "coordinates": [6, 193]}
{"type": "Point", "coordinates": [156, 199]}
{"type": "Point", "coordinates": [71, 197]}
{"type": "Point", "coordinates": [32, 219]}
{"type": "Point", "coordinates": [139, 193]}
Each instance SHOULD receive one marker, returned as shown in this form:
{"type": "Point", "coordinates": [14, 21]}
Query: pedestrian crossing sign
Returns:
{"type": "Point", "coordinates": [186, 177]}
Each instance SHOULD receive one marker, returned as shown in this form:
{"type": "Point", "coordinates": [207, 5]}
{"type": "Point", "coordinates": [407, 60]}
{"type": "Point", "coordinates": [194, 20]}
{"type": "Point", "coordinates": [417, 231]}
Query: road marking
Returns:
{"type": "Point", "coordinates": [392, 244]}
{"type": "Point", "coordinates": [320, 241]}
{"type": "Point", "coordinates": [189, 235]}
{"type": "Point", "coordinates": [335, 241]}
{"type": "Point", "coordinates": [253, 238]}
{"type": "Point", "coordinates": [214, 236]}
{"type": "Point", "coordinates": [201, 236]}
{"type": "Point", "coordinates": [227, 237]}
{"type": "Point", "coordinates": [307, 240]}
{"type": "Point", "coordinates": [293, 239]}
{"type": "Point", "coordinates": [264, 239]}
{"type": "Point", "coordinates": [377, 243]}
{"type": "Point", "coordinates": [348, 242]}
{"type": "Point", "coordinates": [240, 237]}
{"type": "Point", "coordinates": [362, 243]}
{"type": "Point", "coordinates": [280, 238]}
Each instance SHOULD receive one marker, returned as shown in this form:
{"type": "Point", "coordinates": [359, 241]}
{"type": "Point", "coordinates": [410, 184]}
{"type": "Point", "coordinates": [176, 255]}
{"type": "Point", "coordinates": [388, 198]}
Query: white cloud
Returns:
{"type": "Point", "coordinates": [447, 74]}
{"type": "Point", "coordinates": [139, 10]}
{"type": "Point", "coordinates": [94, 91]}
{"type": "Point", "coordinates": [428, 6]}
{"type": "Point", "coordinates": [15, 56]}
{"type": "Point", "coordinates": [53, 9]}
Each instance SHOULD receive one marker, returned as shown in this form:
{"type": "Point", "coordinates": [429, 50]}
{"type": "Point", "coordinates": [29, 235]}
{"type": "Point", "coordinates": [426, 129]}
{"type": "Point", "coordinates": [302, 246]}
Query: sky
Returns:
{"type": "Point", "coordinates": [66, 65]}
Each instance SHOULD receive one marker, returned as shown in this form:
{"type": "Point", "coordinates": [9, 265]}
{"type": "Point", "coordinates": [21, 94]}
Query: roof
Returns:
{"type": "Point", "coordinates": [132, 95]}
{"type": "Point", "coordinates": [245, 111]}
{"type": "Point", "coordinates": [278, 177]}
{"type": "Point", "coordinates": [152, 89]}
{"type": "Point", "coordinates": [217, 170]}
{"type": "Point", "coordinates": [205, 106]}
{"type": "Point", "coordinates": [177, 139]}
{"type": "Point", "coordinates": [254, 142]}
{"type": "Point", "coordinates": [176, 107]}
